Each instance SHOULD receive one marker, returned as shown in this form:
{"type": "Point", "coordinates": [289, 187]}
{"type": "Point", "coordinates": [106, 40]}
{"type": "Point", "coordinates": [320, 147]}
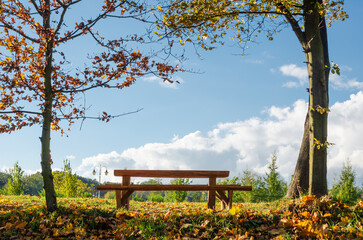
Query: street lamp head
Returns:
{"type": "Point", "coordinates": [106, 172]}
{"type": "Point", "coordinates": [94, 172]}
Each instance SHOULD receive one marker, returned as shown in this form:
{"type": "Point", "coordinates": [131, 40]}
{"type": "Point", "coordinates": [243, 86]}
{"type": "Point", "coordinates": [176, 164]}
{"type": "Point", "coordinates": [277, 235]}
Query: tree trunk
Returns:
{"type": "Point", "coordinates": [300, 182]}
{"type": "Point", "coordinates": [318, 98]}
{"type": "Point", "coordinates": [50, 195]}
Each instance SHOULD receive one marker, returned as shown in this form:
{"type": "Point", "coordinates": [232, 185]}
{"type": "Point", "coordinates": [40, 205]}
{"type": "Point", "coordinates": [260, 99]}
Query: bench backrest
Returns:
{"type": "Point", "coordinates": [172, 173]}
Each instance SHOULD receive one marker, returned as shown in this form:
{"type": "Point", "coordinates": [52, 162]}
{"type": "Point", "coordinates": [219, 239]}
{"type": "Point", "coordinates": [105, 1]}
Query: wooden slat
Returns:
{"type": "Point", "coordinates": [108, 187]}
{"type": "Point", "coordinates": [171, 173]}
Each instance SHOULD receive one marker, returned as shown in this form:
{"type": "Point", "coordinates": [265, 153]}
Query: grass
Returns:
{"type": "Point", "coordinates": [25, 217]}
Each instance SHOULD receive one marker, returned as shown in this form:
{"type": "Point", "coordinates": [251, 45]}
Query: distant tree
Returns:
{"type": "Point", "coordinates": [110, 195]}
{"type": "Point", "coordinates": [177, 196]}
{"type": "Point", "coordinates": [238, 196]}
{"type": "Point", "coordinates": [90, 183]}
{"type": "Point", "coordinates": [138, 198]}
{"type": "Point", "coordinates": [345, 189]}
{"type": "Point", "coordinates": [38, 87]}
{"type": "Point", "coordinates": [69, 183]}
{"type": "Point", "coordinates": [33, 184]}
{"type": "Point", "coordinates": [197, 196]}
{"type": "Point", "coordinates": [4, 179]}
{"type": "Point", "coordinates": [155, 196]}
{"type": "Point", "coordinates": [15, 183]}
{"type": "Point", "coordinates": [276, 187]}
{"type": "Point", "coordinates": [258, 193]}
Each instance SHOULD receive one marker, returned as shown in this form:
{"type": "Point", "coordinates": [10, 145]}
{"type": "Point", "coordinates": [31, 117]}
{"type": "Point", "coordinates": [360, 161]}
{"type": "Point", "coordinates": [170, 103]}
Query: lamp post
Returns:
{"type": "Point", "coordinates": [99, 176]}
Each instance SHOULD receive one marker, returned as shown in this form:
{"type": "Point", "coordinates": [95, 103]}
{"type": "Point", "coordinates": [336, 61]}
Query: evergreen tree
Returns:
{"type": "Point", "coordinates": [15, 183]}
{"type": "Point", "coordinates": [345, 189]}
{"type": "Point", "coordinates": [276, 187]}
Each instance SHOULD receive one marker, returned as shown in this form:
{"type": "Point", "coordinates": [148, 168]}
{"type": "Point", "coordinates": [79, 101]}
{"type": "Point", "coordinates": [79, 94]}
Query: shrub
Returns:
{"type": "Point", "coordinates": [344, 189]}
{"type": "Point", "coordinates": [15, 183]}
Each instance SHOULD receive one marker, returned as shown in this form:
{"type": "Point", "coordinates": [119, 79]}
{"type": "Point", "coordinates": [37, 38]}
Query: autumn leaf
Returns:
{"type": "Point", "coordinates": [21, 225]}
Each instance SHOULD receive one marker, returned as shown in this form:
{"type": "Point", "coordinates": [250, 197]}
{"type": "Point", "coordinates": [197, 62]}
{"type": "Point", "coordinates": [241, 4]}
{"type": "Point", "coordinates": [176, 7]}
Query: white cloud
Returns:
{"type": "Point", "coordinates": [234, 146]}
{"type": "Point", "coordinates": [337, 81]}
{"type": "Point", "coordinates": [293, 70]}
{"type": "Point", "coordinates": [70, 157]}
{"type": "Point", "coordinates": [342, 82]}
{"type": "Point", "coordinates": [177, 80]}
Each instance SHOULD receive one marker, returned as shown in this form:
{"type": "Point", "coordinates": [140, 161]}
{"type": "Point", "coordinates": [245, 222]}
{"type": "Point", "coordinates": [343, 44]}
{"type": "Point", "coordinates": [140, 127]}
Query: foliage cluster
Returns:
{"type": "Point", "coordinates": [76, 218]}
{"type": "Point", "coordinates": [67, 184]}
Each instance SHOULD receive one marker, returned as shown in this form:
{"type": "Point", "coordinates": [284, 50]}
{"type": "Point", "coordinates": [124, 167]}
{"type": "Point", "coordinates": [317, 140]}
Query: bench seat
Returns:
{"type": "Point", "coordinates": [108, 187]}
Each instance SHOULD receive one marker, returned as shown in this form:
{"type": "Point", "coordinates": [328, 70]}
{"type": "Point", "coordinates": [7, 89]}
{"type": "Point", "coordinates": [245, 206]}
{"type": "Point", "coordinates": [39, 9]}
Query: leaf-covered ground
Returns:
{"type": "Point", "coordinates": [25, 217]}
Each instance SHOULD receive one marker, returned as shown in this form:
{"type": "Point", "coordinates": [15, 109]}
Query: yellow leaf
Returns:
{"type": "Point", "coordinates": [304, 223]}
{"type": "Point", "coordinates": [305, 214]}
{"type": "Point", "coordinates": [234, 210]}
{"type": "Point", "coordinates": [159, 8]}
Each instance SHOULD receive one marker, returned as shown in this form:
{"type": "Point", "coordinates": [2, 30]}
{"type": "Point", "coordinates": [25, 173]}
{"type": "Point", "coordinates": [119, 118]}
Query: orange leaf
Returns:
{"type": "Point", "coordinates": [21, 225]}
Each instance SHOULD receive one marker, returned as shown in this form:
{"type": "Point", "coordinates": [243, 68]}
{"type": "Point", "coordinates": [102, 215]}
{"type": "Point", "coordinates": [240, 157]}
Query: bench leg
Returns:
{"type": "Point", "coordinates": [224, 199]}
{"type": "Point", "coordinates": [230, 198]}
{"type": "Point", "coordinates": [125, 201]}
{"type": "Point", "coordinates": [212, 193]}
{"type": "Point", "coordinates": [118, 198]}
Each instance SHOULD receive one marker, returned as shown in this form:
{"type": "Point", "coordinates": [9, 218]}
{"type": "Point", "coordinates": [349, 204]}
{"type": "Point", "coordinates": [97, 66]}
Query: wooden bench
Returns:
{"type": "Point", "coordinates": [124, 190]}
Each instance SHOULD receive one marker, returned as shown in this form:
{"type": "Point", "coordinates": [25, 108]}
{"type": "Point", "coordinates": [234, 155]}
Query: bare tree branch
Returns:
{"type": "Point", "coordinates": [19, 111]}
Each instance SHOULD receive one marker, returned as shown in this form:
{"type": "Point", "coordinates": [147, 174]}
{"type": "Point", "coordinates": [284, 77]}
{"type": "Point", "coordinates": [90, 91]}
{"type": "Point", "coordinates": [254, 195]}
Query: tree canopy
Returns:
{"type": "Point", "coordinates": [36, 84]}
{"type": "Point", "coordinates": [205, 23]}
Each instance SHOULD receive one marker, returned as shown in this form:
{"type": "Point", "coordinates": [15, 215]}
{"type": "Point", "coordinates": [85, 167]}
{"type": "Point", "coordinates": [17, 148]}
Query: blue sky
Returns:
{"type": "Point", "coordinates": [232, 115]}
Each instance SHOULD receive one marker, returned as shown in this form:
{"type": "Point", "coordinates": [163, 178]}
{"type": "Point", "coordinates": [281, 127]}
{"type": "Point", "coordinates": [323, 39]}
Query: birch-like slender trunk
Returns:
{"type": "Point", "coordinates": [50, 195]}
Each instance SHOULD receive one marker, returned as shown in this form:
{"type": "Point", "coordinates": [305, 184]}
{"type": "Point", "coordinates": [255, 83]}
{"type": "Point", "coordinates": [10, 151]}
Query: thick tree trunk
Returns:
{"type": "Point", "coordinates": [318, 98]}
{"type": "Point", "coordinates": [300, 182]}
{"type": "Point", "coordinates": [50, 195]}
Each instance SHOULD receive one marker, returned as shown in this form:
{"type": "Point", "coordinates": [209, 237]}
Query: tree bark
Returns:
{"type": "Point", "coordinates": [300, 181]}
{"type": "Point", "coordinates": [318, 97]}
{"type": "Point", "coordinates": [50, 195]}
